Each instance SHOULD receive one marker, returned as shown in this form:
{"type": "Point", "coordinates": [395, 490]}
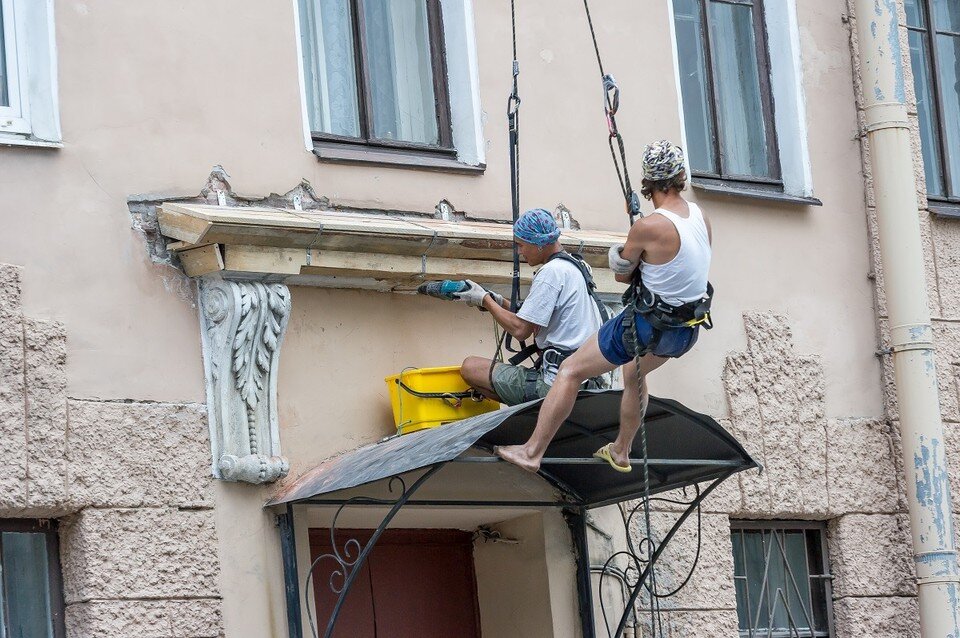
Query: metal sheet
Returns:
{"type": "Point", "coordinates": [674, 432]}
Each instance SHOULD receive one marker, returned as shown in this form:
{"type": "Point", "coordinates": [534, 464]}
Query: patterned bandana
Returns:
{"type": "Point", "coordinates": [537, 227]}
{"type": "Point", "coordinates": [662, 160]}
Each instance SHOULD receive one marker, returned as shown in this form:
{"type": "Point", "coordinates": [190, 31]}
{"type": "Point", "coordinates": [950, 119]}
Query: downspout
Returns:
{"type": "Point", "coordinates": [921, 427]}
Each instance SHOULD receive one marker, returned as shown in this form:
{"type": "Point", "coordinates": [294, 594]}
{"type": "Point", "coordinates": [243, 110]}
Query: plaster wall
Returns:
{"type": "Point", "coordinates": [191, 90]}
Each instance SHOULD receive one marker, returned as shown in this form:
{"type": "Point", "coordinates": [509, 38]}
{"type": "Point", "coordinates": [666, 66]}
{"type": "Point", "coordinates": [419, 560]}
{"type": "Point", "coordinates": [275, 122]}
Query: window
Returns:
{"type": "Point", "coordinates": [934, 32]}
{"type": "Point", "coordinates": [374, 73]}
{"type": "Point", "coordinates": [742, 102]}
{"type": "Point", "coordinates": [725, 82]}
{"type": "Point", "coordinates": [31, 599]}
{"type": "Point", "coordinates": [11, 106]}
{"type": "Point", "coordinates": [28, 95]}
{"type": "Point", "coordinates": [782, 579]}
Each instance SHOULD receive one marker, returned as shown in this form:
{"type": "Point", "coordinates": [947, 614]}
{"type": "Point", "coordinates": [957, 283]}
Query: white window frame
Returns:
{"type": "Point", "coordinates": [463, 81]}
{"type": "Point", "coordinates": [32, 119]}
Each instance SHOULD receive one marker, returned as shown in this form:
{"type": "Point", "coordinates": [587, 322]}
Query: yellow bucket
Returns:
{"type": "Point", "coordinates": [412, 413]}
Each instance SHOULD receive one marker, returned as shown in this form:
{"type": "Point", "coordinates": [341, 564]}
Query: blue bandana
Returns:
{"type": "Point", "coordinates": [537, 227]}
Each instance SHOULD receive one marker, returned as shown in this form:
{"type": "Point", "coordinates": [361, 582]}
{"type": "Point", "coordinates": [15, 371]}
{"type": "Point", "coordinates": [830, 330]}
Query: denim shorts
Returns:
{"type": "Point", "coordinates": [674, 342]}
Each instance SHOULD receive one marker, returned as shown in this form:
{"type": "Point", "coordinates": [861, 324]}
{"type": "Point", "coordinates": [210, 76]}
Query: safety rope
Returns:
{"type": "Point", "coordinates": [611, 104]}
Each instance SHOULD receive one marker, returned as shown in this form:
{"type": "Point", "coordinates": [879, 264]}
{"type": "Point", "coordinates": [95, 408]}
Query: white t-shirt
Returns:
{"type": "Point", "coordinates": [561, 305]}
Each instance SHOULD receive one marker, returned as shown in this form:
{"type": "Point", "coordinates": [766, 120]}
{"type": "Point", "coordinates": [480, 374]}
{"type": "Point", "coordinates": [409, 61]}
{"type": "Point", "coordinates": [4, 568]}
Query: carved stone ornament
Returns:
{"type": "Point", "coordinates": [242, 326]}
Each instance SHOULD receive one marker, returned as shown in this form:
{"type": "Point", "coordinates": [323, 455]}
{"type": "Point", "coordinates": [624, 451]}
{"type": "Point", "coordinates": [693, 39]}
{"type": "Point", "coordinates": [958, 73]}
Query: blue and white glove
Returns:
{"type": "Point", "coordinates": [618, 264]}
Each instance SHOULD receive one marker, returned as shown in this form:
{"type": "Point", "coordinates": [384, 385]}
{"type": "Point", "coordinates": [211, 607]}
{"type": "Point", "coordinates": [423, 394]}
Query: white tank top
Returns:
{"type": "Point", "coordinates": [684, 278]}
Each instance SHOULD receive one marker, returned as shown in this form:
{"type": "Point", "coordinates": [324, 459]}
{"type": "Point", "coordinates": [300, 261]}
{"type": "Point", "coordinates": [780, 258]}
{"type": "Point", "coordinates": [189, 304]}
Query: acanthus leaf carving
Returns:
{"type": "Point", "coordinates": [243, 324]}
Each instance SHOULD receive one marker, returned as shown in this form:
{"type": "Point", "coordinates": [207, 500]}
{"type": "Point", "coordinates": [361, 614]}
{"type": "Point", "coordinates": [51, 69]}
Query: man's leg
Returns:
{"type": "Point", "coordinates": [633, 405]}
{"type": "Point", "coordinates": [476, 372]}
{"type": "Point", "coordinates": [586, 362]}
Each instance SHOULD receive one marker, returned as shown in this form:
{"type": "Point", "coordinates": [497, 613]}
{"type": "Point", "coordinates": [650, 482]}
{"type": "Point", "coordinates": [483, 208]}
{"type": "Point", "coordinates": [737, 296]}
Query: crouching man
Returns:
{"type": "Point", "coordinates": [561, 311]}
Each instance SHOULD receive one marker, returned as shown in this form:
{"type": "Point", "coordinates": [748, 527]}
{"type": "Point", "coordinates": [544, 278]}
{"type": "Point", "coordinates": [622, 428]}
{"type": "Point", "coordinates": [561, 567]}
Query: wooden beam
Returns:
{"type": "Point", "coordinates": [201, 260]}
{"type": "Point", "coordinates": [402, 270]}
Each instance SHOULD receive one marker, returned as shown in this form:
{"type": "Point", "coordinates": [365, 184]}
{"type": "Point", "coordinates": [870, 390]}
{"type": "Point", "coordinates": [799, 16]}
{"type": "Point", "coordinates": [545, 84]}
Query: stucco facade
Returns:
{"type": "Point", "coordinates": [103, 408]}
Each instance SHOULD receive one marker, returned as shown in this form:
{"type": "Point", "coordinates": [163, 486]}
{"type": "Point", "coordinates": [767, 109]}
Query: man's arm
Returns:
{"type": "Point", "coordinates": [520, 328]}
{"type": "Point", "coordinates": [632, 249]}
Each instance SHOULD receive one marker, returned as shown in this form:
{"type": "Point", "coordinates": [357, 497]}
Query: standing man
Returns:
{"type": "Point", "coordinates": [560, 312]}
{"type": "Point", "coordinates": [665, 259]}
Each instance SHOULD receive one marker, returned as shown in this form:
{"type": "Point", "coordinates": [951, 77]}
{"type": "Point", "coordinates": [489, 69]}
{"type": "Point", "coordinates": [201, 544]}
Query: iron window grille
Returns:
{"type": "Point", "coordinates": [708, 107]}
{"type": "Point", "coordinates": [363, 62]}
{"type": "Point", "coordinates": [934, 34]}
{"type": "Point", "coordinates": [782, 579]}
{"type": "Point", "coordinates": [31, 589]}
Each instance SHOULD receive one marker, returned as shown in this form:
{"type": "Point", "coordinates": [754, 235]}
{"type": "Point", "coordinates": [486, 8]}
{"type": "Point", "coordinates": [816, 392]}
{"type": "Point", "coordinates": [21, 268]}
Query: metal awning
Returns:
{"type": "Point", "coordinates": [684, 448]}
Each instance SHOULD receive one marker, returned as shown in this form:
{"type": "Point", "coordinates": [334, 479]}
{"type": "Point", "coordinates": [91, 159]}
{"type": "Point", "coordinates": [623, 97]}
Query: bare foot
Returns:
{"type": "Point", "coordinates": [518, 456]}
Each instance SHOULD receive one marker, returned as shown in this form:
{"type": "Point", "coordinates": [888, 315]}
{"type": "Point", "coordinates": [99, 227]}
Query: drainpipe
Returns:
{"type": "Point", "coordinates": [925, 466]}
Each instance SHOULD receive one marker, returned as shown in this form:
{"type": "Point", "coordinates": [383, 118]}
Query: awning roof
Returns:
{"type": "Point", "coordinates": [684, 447]}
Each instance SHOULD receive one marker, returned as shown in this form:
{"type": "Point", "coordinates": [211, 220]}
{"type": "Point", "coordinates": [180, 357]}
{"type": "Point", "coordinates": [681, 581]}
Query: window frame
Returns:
{"type": "Point", "coordinates": [929, 33]}
{"type": "Point", "coordinates": [824, 573]}
{"type": "Point", "coordinates": [721, 178]}
{"type": "Point", "coordinates": [50, 529]}
{"type": "Point", "coordinates": [438, 66]}
{"type": "Point", "coordinates": [14, 118]}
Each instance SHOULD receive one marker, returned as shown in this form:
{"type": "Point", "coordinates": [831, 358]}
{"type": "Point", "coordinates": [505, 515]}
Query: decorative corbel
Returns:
{"type": "Point", "coordinates": [242, 327]}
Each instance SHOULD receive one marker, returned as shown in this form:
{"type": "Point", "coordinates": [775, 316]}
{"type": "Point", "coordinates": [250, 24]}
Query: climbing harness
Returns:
{"type": "Point", "coordinates": [611, 104]}
{"type": "Point", "coordinates": [638, 299]}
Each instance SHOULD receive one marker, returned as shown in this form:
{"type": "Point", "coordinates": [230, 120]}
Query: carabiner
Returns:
{"type": "Point", "coordinates": [611, 95]}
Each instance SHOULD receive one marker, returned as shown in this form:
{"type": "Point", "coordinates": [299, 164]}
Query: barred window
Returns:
{"type": "Point", "coordinates": [782, 579]}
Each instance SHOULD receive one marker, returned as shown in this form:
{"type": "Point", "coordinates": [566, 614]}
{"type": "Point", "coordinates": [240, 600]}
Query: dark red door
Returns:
{"type": "Point", "coordinates": [415, 584]}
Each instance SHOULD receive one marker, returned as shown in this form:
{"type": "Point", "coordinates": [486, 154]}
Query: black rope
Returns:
{"type": "Point", "coordinates": [513, 126]}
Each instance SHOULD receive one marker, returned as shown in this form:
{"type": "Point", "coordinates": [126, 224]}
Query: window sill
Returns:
{"type": "Point", "coordinates": [10, 139]}
{"type": "Point", "coordinates": [353, 154]}
{"type": "Point", "coordinates": [737, 190]}
{"type": "Point", "coordinates": [944, 209]}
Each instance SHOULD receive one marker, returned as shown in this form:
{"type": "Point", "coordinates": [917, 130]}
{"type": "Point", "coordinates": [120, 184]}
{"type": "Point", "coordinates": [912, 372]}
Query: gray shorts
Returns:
{"type": "Point", "coordinates": [517, 384]}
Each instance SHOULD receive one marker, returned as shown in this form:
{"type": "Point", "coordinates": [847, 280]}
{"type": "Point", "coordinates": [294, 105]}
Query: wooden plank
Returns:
{"type": "Point", "coordinates": [187, 228]}
{"type": "Point", "coordinates": [253, 215]}
{"type": "Point", "coordinates": [401, 269]}
{"type": "Point", "coordinates": [201, 260]}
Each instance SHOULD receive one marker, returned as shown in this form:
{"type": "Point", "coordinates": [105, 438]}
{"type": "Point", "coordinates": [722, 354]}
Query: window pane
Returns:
{"type": "Point", "coordinates": [401, 72]}
{"type": "Point", "coordinates": [948, 49]}
{"type": "Point", "coordinates": [755, 561]}
{"type": "Point", "coordinates": [922, 86]}
{"type": "Point", "coordinates": [693, 85]}
{"type": "Point", "coordinates": [25, 583]}
{"type": "Point", "coordinates": [4, 99]}
{"type": "Point", "coordinates": [797, 581]}
{"type": "Point", "coordinates": [743, 132]}
{"type": "Point", "coordinates": [329, 68]}
{"type": "Point", "coordinates": [946, 15]}
{"type": "Point", "coordinates": [914, 9]}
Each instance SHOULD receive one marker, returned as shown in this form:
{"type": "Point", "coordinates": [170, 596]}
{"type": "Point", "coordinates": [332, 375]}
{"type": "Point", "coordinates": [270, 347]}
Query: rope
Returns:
{"type": "Point", "coordinates": [513, 126]}
{"type": "Point", "coordinates": [611, 104]}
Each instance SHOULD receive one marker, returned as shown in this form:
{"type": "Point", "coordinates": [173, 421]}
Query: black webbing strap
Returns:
{"type": "Point", "coordinates": [611, 104]}
{"type": "Point", "coordinates": [513, 127]}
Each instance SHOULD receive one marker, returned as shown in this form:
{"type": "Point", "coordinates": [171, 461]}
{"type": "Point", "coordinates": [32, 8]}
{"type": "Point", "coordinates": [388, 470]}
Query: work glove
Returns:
{"type": "Point", "coordinates": [618, 264]}
{"type": "Point", "coordinates": [473, 295]}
